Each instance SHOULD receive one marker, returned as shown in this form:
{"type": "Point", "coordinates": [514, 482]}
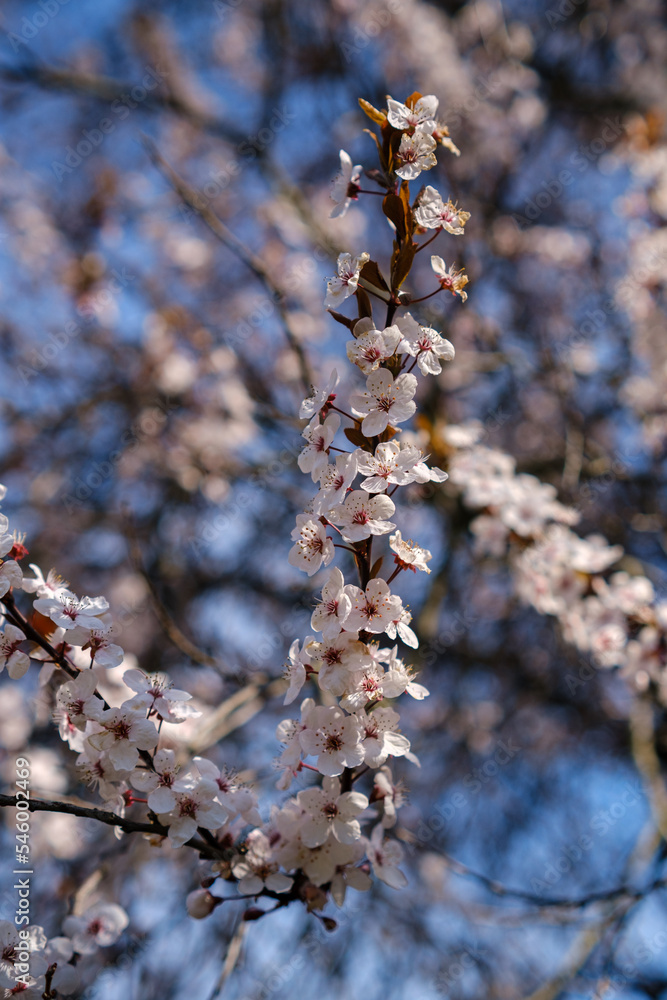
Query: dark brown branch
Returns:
{"type": "Point", "coordinates": [110, 819]}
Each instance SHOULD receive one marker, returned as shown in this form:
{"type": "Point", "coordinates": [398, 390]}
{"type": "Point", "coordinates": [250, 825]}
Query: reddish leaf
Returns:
{"type": "Point", "coordinates": [376, 567]}
{"type": "Point", "coordinates": [401, 264]}
{"type": "Point", "coordinates": [387, 434]}
{"type": "Point", "coordinates": [345, 320]}
{"type": "Point", "coordinates": [363, 304]}
{"type": "Point", "coordinates": [383, 159]}
{"type": "Point", "coordinates": [371, 273]}
{"type": "Point", "coordinates": [354, 435]}
{"type": "Point", "coordinates": [405, 200]}
{"type": "Point", "coordinates": [394, 208]}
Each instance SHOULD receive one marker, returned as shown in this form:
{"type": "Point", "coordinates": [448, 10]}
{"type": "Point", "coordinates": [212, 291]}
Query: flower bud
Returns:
{"type": "Point", "coordinates": [201, 903]}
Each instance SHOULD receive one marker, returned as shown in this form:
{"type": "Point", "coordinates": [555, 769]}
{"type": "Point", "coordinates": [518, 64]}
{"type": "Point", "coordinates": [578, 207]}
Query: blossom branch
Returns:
{"type": "Point", "coordinates": [210, 850]}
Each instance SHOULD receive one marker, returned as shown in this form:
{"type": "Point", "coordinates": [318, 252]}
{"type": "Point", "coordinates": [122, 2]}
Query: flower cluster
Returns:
{"type": "Point", "coordinates": [355, 672]}
{"type": "Point", "coordinates": [618, 621]}
{"type": "Point", "coordinates": [33, 965]}
{"type": "Point", "coordinates": [332, 834]}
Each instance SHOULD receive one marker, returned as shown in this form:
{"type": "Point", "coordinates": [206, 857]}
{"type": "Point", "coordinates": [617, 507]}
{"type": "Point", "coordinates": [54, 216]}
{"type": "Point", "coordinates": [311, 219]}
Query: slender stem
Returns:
{"type": "Point", "coordinates": [394, 574]}
{"type": "Point", "coordinates": [382, 194]}
{"type": "Point", "coordinates": [346, 547]}
{"type": "Point", "coordinates": [435, 236]}
{"type": "Point", "coordinates": [425, 297]}
{"type": "Point", "coordinates": [338, 410]}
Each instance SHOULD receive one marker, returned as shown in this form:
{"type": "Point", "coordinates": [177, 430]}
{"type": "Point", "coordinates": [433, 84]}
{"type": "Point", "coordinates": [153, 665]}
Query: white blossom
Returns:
{"type": "Point", "coordinates": [10, 575]}
{"type": "Point", "coordinates": [334, 739]}
{"type": "Point", "coordinates": [398, 678]}
{"type": "Point", "coordinates": [196, 805]}
{"type": "Point", "coordinates": [103, 653]}
{"type": "Point", "coordinates": [345, 283]}
{"type": "Point", "coordinates": [386, 400]}
{"type": "Point", "coordinates": [77, 701]}
{"type": "Point", "coordinates": [390, 795]}
{"type": "Point", "coordinates": [345, 185]}
{"type": "Point", "coordinates": [312, 546]}
{"type": "Point", "coordinates": [409, 555]}
{"type": "Point", "coordinates": [236, 798]}
{"type": "Point", "coordinates": [16, 661]}
{"type": "Point", "coordinates": [41, 585]}
{"type": "Point", "coordinates": [336, 658]}
{"type": "Point", "coordinates": [161, 783]}
{"type": "Point", "coordinates": [401, 627]}
{"type": "Point", "coordinates": [257, 869]}
{"type": "Point", "coordinates": [379, 737]}
{"type": "Point", "coordinates": [373, 609]}
{"type": "Point", "coordinates": [385, 856]}
{"type": "Point", "coordinates": [330, 614]}
{"type": "Point", "coordinates": [124, 733]}
{"type": "Point", "coordinates": [200, 903]}
{"type": "Point", "coordinates": [422, 115]}
{"type": "Point", "coordinates": [69, 612]}
{"type": "Point", "coordinates": [320, 398]}
{"type": "Point", "coordinates": [433, 213]}
{"type": "Point", "coordinates": [330, 812]}
{"type": "Point", "coordinates": [415, 153]}
{"type": "Point", "coordinates": [363, 515]}
{"type": "Point", "coordinates": [314, 457]}
{"type": "Point", "coordinates": [295, 669]}
{"type": "Point", "coordinates": [371, 347]}
{"type": "Point", "coordinates": [335, 481]}
{"type": "Point", "coordinates": [98, 927]}
{"type": "Point", "coordinates": [451, 280]}
{"type": "Point", "coordinates": [390, 465]}
{"type": "Point", "coordinates": [424, 344]}
{"type": "Point", "coordinates": [155, 695]}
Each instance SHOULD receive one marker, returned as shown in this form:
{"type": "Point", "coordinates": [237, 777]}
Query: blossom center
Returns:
{"type": "Point", "coordinates": [188, 807]}
{"type": "Point", "coordinates": [121, 730]}
{"type": "Point", "coordinates": [385, 403]}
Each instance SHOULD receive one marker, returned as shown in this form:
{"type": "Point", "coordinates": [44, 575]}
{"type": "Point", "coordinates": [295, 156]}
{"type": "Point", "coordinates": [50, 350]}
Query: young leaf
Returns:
{"type": "Point", "coordinates": [401, 264]}
{"type": "Point", "coordinates": [377, 143]}
{"type": "Point", "coordinates": [376, 567]}
{"type": "Point", "coordinates": [405, 199]}
{"type": "Point", "coordinates": [354, 435]}
{"type": "Point", "coordinates": [363, 304]}
{"type": "Point", "coordinates": [372, 274]}
{"type": "Point", "coordinates": [373, 113]}
{"type": "Point", "coordinates": [394, 208]}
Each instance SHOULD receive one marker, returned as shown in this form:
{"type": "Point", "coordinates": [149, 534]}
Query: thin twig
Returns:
{"type": "Point", "coordinates": [195, 201]}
